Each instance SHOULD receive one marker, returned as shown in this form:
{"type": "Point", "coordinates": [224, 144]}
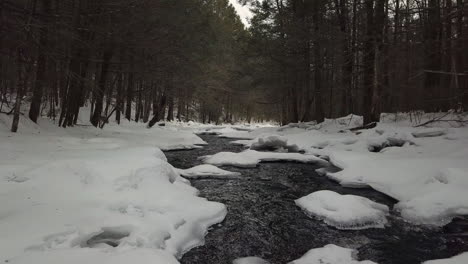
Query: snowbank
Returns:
{"type": "Point", "coordinates": [207, 171]}
{"type": "Point", "coordinates": [250, 260]}
{"type": "Point", "coordinates": [459, 259]}
{"type": "Point", "coordinates": [330, 254]}
{"type": "Point", "coordinates": [250, 158]}
{"type": "Point", "coordinates": [97, 196]}
{"type": "Point", "coordinates": [344, 211]}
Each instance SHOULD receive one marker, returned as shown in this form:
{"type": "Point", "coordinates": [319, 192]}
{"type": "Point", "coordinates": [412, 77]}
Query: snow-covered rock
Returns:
{"type": "Point", "coordinates": [459, 259]}
{"type": "Point", "coordinates": [207, 171]}
{"type": "Point", "coordinates": [344, 211]}
{"type": "Point", "coordinates": [250, 158]}
{"type": "Point", "coordinates": [330, 254]}
{"type": "Point", "coordinates": [273, 143]}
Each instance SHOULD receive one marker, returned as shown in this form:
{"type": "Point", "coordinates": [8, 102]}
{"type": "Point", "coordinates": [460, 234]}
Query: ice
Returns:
{"type": "Point", "coordinates": [344, 211]}
{"type": "Point", "coordinates": [250, 158]}
{"type": "Point", "coordinates": [207, 171]}
{"type": "Point", "coordinates": [272, 143]}
{"type": "Point", "coordinates": [459, 259]}
{"type": "Point", "coordinates": [330, 254]}
{"type": "Point", "coordinates": [250, 260]}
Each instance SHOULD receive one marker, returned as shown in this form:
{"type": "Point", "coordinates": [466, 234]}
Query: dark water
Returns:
{"type": "Point", "coordinates": [263, 220]}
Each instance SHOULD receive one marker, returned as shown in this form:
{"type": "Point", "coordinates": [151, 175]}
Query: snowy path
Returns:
{"type": "Point", "coordinates": [263, 220]}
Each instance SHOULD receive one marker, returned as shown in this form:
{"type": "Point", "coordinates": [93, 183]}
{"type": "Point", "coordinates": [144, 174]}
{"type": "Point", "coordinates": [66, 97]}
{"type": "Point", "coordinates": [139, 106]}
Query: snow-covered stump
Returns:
{"type": "Point", "coordinates": [330, 254]}
{"type": "Point", "coordinates": [207, 171]}
{"type": "Point", "coordinates": [349, 212]}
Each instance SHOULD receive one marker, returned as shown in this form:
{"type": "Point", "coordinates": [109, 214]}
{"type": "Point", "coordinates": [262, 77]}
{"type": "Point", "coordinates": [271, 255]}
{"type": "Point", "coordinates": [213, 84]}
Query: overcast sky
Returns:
{"type": "Point", "coordinates": [243, 11]}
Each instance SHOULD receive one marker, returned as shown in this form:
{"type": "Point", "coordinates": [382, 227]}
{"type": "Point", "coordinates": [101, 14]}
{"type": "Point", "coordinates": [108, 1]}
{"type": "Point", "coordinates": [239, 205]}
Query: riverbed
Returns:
{"type": "Point", "coordinates": [263, 220]}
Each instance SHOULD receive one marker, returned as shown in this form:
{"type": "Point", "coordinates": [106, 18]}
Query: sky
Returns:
{"type": "Point", "coordinates": [243, 12]}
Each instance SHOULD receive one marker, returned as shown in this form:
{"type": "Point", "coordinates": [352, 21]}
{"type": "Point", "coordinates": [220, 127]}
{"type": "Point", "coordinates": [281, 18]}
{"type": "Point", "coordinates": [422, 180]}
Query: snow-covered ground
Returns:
{"type": "Point", "coordinates": [109, 196]}
{"type": "Point", "coordinates": [424, 168]}
{"type": "Point", "coordinates": [86, 195]}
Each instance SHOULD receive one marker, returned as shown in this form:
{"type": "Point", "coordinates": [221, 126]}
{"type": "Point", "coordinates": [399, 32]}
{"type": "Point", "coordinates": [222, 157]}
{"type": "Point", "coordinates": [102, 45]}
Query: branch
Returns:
{"type": "Point", "coordinates": [434, 119]}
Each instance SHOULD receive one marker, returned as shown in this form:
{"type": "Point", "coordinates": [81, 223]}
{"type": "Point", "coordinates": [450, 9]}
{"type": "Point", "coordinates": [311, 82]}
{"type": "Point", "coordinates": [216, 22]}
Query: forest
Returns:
{"type": "Point", "coordinates": [234, 131]}
{"type": "Point", "coordinates": [296, 61]}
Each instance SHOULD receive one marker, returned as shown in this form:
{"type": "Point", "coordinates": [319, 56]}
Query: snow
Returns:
{"type": "Point", "coordinates": [424, 168]}
{"type": "Point", "coordinates": [91, 255]}
{"type": "Point", "coordinates": [344, 211]}
{"type": "Point", "coordinates": [459, 259]}
{"type": "Point", "coordinates": [251, 158]}
{"type": "Point", "coordinates": [207, 171]}
{"type": "Point", "coordinates": [250, 260]}
{"type": "Point", "coordinates": [273, 142]}
{"type": "Point", "coordinates": [430, 132]}
{"type": "Point", "coordinates": [330, 254]}
{"type": "Point", "coordinates": [75, 193]}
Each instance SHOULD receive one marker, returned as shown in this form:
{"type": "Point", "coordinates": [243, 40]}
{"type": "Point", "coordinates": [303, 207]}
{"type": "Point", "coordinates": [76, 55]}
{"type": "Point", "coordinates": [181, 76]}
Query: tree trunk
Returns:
{"type": "Point", "coordinates": [99, 95]}
{"type": "Point", "coordinates": [128, 107]}
{"type": "Point", "coordinates": [347, 67]}
{"type": "Point", "coordinates": [432, 55]}
{"type": "Point", "coordinates": [379, 59]}
{"type": "Point", "coordinates": [317, 20]}
{"type": "Point", "coordinates": [34, 110]}
{"type": "Point", "coordinates": [170, 109]}
{"type": "Point", "coordinates": [368, 62]}
{"type": "Point", "coordinates": [19, 91]}
{"type": "Point", "coordinates": [119, 101]}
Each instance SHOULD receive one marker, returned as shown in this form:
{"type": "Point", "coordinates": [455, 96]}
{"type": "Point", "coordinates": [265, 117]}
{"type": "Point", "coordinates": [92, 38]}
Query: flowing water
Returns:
{"type": "Point", "coordinates": [263, 220]}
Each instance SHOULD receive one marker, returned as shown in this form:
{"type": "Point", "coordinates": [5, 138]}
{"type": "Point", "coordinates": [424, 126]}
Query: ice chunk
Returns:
{"type": "Point", "coordinates": [344, 211]}
{"type": "Point", "coordinates": [330, 254]}
{"type": "Point", "coordinates": [459, 259]}
{"type": "Point", "coordinates": [250, 260]}
{"type": "Point", "coordinates": [250, 158]}
{"type": "Point", "coordinates": [207, 170]}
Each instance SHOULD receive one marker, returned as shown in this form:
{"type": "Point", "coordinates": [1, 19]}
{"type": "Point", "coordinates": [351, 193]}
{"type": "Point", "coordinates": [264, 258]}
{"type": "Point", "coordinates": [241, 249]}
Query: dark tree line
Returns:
{"type": "Point", "coordinates": [142, 60]}
{"type": "Point", "coordinates": [328, 58]}
{"type": "Point", "coordinates": [300, 60]}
